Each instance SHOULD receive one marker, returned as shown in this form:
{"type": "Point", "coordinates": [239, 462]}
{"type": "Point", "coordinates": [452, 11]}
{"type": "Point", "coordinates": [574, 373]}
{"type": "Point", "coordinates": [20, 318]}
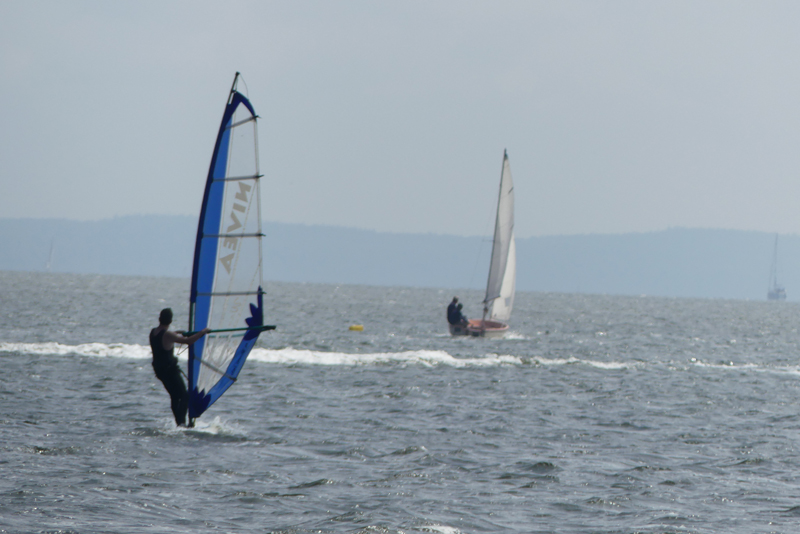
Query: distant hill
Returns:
{"type": "Point", "coordinates": [675, 262]}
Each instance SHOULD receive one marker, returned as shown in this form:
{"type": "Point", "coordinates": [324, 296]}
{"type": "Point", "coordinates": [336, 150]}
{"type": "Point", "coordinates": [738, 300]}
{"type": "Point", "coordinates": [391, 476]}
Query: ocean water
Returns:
{"type": "Point", "coordinates": [598, 414]}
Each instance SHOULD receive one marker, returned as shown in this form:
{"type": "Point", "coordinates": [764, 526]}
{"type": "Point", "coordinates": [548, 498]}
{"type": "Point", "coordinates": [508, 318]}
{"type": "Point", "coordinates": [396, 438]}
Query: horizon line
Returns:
{"type": "Point", "coordinates": [396, 232]}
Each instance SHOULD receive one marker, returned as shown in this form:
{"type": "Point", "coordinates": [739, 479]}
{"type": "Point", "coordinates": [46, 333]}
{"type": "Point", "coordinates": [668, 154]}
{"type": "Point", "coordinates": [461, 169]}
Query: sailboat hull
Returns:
{"type": "Point", "coordinates": [479, 328]}
{"type": "Point", "coordinates": [777, 293]}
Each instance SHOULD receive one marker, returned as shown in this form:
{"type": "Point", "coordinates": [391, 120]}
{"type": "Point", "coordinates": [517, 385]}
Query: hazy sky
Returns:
{"type": "Point", "coordinates": [393, 116]}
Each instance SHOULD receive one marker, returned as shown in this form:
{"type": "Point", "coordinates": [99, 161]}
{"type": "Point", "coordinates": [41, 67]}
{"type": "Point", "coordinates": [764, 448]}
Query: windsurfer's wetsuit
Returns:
{"type": "Point", "coordinates": [165, 364]}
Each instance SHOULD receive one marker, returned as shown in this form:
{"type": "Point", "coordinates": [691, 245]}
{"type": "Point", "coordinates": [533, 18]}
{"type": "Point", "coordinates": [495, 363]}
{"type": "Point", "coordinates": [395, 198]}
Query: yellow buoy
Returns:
{"type": "Point", "coordinates": [357, 327]}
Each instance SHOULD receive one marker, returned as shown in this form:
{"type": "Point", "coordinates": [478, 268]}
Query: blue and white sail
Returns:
{"type": "Point", "coordinates": [226, 291]}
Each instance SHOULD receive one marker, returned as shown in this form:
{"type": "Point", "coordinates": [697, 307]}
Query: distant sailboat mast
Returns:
{"type": "Point", "coordinates": [775, 291]}
{"type": "Point", "coordinates": [49, 264]}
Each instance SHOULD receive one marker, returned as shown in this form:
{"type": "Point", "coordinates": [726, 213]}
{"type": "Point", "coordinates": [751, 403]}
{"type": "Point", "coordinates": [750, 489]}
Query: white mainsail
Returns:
{"type": "Point", "coordinates": [503, 268]}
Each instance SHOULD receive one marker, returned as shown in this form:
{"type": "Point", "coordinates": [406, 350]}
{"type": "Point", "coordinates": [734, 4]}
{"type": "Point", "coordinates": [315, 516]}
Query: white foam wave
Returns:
{"type": "Point", "coordinates": [442, 529]}
{"type": "Point", "coordinates": [214, 427]}
{"type": "Point", "coordinates": [516, 336]}
{"type": "Point", "coordinates": [593, 363]}
{"type": "Point", "coordinates": [724, 365]}
{"type": "Point", "coordinates": [291, 355]}
{"type": "Point", "coordinates": [755, 367]}
{"type": "Point", "coordinates": [113, 350]}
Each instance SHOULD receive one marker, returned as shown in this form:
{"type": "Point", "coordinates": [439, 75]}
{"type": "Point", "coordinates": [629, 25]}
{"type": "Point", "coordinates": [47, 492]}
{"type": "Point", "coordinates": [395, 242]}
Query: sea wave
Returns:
{"type": "Point", "coordinates": [515, 336]}
{"type": "Point", "coordinates": [727, 366]}
{"type": "Point", "coordinates": [291, 355]}
{"type": "Point", "coordinates": [294, 356]}
{"type": "Point", "coordinates": [109, 350]}
{"type": "Point", "coordinates": [572, 360]}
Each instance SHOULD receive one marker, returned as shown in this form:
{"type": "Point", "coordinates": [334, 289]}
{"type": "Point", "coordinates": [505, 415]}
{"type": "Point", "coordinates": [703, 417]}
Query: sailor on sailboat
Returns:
{"type": "Point", "coordinates": [226, 293]}
{"type": "Point", "coordinates": [500, 287]}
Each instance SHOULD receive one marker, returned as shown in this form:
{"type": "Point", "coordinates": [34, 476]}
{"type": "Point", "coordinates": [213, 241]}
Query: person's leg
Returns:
{"type": "Point", "coordinates": [173, 383]}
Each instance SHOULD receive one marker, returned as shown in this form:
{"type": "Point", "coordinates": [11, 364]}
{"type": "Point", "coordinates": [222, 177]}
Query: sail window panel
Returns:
{"type": "Point", "coordinates": [240, 209]}
{"type": "Point", "coordinates": [230, 312]}
{"type": "Point", "coordinates": [242, 156]}
{"type": "Point", "coordinates": [217, 354]}
{"type": "Point", "coordinates": [238, 265]}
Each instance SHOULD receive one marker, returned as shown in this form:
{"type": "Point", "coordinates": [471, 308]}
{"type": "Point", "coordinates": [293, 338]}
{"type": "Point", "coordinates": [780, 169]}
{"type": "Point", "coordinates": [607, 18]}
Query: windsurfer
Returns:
{"type": "Point", "coordinates": [165, 364]}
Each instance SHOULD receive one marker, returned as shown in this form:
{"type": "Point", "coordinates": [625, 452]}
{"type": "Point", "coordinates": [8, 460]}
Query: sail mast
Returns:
{"type": "Point", "coordinates": [773, 273]}
{"type": "Point", "coordinates": [49, 265]}
{"type": "Point", "coordinates": [775, 291]}
{"type": "Point", "coordinates": [233, 87]}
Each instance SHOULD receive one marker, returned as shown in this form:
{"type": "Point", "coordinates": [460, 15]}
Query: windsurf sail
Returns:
{"type": "Point", "coordinates": [503, 268]}
{"type": "Point", "coordinates": [226, 293]}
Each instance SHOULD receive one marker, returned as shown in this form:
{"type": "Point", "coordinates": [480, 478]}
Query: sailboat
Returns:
{"type": "Point", "coordinates": [226, 293]}
{"type": "Point", "coordinates": [500, 287]}
{"type": "Point", "coordinates": [775, 290]}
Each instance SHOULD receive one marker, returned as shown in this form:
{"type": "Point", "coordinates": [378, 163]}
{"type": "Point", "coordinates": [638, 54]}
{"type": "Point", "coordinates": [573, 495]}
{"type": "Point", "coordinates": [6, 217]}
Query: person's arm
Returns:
{"type": "Point", "coordinates": [175, 337]}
